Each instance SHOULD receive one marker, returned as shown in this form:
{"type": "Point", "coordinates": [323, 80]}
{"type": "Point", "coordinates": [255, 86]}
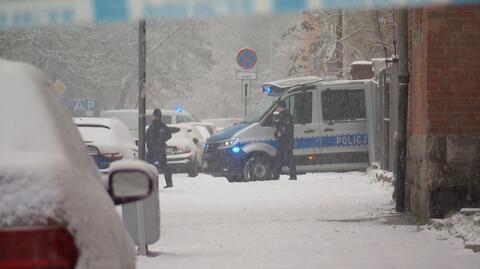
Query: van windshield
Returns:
{"type": "Point", "coordinates": [261, 108]}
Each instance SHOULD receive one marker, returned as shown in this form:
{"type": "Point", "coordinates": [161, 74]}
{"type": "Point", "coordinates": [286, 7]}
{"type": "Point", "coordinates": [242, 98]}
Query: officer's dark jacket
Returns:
{"type": "Point", "coordinates": [285, 127]}
{"type": "Point", "coordinates": [157, 135]}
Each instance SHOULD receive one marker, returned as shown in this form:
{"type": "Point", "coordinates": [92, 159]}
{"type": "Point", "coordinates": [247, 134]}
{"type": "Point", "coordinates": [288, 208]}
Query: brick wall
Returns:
{"type": "Point", "coordinates": [446, 56]}
{"type": "Point", "coordinates": [361, 71]}
{"type": "Point", "coordinates": [443, 159]}
{"type": "Point", "coordinates": [418, 83]}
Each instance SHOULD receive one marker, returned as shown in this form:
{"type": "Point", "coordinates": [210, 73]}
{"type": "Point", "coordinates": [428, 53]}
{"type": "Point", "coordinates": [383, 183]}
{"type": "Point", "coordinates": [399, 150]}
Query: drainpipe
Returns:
{"type": "Point", "coordinates": [403, 80]}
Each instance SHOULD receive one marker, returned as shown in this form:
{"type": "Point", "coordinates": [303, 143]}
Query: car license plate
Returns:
{"type": "Point", "coordinates": [170, 150]}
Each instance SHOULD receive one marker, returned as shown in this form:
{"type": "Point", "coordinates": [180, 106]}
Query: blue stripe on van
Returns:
{"type": "Point", "coordinates": [349, 140]}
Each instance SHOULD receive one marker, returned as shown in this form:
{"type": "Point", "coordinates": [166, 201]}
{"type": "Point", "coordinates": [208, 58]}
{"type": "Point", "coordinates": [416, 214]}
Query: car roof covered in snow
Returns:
{"type": "Point", "coordinates": [111, 112]}
{"type": "Point", "coordinates": [36, 121]}
{"type": "Point", "coordinates": [96, 120]}
{"type": "Point", "coordinates": [46, 174]}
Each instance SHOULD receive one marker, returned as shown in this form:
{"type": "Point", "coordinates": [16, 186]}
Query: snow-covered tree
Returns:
{"type": "Point", "coordinates": [332, 40]}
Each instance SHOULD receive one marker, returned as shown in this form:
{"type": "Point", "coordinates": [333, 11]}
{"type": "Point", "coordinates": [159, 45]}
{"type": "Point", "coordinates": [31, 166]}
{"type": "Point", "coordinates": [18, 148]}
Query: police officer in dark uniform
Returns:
{"type": "Point", "coordinates": [284, 134]}
{"type": "Point", "coordinates": [156, 137]}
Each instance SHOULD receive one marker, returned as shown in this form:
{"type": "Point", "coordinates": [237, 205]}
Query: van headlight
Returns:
{"type": "Point", "coordinates": [227, 143]}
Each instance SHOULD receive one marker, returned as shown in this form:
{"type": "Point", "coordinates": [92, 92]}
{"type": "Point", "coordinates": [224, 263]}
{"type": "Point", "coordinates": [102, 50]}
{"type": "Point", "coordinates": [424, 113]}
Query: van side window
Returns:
{"type": "Point", "coordinates": [167, 119]}
{"type": "Point", "coordinates": [343, 105]}
{"type": "Point", "coordinates": [182, 119]}
{"type": "Point", "coordinates": [300, 106]}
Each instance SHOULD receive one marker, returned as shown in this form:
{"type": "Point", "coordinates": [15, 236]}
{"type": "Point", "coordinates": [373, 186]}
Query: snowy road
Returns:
{"type": "Point", "coordinates": [309, 223]}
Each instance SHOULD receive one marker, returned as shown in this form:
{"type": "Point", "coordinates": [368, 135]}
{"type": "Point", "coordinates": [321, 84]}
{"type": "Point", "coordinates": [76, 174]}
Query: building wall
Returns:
{"type": "Point", "coordinates": [443, 159]}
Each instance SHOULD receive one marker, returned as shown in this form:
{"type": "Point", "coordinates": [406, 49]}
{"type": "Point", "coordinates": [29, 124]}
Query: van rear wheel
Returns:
{"type": "Point", "coordinates": [257, 168]}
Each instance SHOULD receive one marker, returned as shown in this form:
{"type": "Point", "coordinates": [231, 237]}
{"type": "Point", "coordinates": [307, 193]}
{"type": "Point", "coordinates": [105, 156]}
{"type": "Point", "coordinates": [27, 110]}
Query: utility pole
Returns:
{"type": "Point", "coordinates": [403, 80]}
{"type": "Point", "coordinates": [339, 45]}
{"type": "Point", "coordinates": [245, 97]}
{"type": "Point", "coordinates": [142, 79]}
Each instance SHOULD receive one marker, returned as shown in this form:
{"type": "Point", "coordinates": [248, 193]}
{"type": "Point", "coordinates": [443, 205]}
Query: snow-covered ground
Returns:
{"type": "Point", "coordinates": [466, 227]}
{"type": "Point", "coordinates": [325, 220]}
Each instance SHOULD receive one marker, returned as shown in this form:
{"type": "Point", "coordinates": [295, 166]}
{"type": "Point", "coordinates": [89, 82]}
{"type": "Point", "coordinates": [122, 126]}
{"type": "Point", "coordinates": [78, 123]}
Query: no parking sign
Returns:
{"type": "Point", "coordinates": [247, 58]}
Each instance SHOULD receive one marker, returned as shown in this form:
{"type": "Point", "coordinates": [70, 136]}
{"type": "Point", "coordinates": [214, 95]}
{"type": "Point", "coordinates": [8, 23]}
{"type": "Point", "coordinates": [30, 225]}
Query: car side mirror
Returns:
{"type": "Point", "coordinates": [130, 181]}
{"type": "Point", "coordinates": [93, 150]}
{"type": "Point", "coordinates": [195, 140]}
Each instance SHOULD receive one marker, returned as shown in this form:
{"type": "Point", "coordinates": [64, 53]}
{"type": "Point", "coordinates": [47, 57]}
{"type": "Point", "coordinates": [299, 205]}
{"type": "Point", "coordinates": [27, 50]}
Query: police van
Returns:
{"type": "Point", "coordinates": [330, 130]}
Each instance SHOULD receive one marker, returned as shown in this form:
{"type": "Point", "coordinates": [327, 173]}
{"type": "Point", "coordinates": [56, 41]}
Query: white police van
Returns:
{"type": "Point", "coordinates": [331, 132]}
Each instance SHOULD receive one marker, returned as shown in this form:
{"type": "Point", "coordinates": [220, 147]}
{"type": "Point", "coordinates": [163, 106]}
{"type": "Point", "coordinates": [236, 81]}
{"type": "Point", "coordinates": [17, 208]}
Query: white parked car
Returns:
{"type": "Point", "coordinates": [185, 148]}
{"type": "Point", "coordinates": [130, 118]}
{"type": "Point", "coordinates": [111, 137]}
{"type": "Point", "coordinates": [202, 134]}
{"type": "Point", "coordinates": [55, 211]}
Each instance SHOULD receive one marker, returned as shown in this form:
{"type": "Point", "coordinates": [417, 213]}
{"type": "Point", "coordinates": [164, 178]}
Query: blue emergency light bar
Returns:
{"type": "Point", "coordinates": [267, 89]}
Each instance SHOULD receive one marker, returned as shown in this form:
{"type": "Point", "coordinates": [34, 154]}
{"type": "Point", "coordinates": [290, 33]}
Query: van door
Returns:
{"type": "Point", "coordinates": [300, 106]}
{"type": "Point", "coordinates": [343, 128]}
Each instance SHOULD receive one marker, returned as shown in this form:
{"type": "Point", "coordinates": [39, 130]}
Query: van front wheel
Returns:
{"type": "Point", "coordinates": [257, 168]}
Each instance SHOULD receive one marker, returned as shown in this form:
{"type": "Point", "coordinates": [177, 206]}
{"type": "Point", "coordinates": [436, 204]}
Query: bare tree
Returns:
{"type": "Point", "coordinates": [333, 39]}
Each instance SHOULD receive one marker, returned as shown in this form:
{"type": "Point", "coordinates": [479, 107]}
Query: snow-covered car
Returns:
{"type": "Point", "coordinates": [184, 149]}
{"type": "Point", "coordinates": [130, 117]}
{"type": "Point", "coordinates": [222, 123]}
{"type": "Point", "coordinates": [201, 134]}
{"type": "Point", "coordinates": [55, 211]}
{"type": "Point", "coordinates": [110, 136]}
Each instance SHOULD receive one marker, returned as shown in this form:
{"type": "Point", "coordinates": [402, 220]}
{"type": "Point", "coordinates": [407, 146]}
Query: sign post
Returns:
{"type": "Point", "coordinates": [247, 59]}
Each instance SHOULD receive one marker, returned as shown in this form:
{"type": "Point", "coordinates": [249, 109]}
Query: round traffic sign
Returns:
{"type": "Point", "coordinates": [247, 58]}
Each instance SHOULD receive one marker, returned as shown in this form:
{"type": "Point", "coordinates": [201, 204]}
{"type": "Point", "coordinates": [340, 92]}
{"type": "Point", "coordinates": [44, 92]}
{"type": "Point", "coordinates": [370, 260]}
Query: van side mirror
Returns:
{"type": "Point", "coordinates": [268, 121]}
{"type": "Point", "coordinates": [130, 181]}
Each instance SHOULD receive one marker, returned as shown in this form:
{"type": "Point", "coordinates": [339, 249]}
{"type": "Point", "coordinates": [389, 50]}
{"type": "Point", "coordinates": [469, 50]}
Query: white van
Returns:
{"type": "Point", "coordinates": [331, 132]}
{"type": "Point", "coordinates": [130, 118]}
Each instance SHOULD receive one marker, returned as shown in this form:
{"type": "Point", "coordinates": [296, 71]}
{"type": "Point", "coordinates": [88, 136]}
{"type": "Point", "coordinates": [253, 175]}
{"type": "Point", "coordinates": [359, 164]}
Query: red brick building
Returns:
{"type": "Point", "coordinates": [443, 157]}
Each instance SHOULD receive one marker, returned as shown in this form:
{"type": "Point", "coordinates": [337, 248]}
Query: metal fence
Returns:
{"type": "Point", "coordinates": [385, 102]}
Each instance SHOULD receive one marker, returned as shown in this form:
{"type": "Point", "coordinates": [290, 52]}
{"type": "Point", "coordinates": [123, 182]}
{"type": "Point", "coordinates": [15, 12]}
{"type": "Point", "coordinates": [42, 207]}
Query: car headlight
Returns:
{"type": "Point", "coordinates": [182, 150]}
{"type": "Point", "coordinates": [227, 143]}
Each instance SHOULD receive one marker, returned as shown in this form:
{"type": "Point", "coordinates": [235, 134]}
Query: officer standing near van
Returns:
{"type": "Point", "coordinates": [156, 137]}
{"type": "Point", "coordinates": [284, 133]}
